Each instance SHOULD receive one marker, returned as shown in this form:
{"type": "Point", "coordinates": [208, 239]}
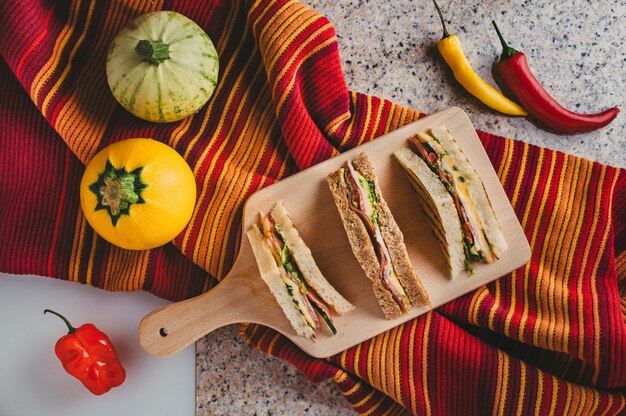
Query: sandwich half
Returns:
{"type": "Point", "coordinates": [289, 270]}
{"type": "Point", "coordinates": [454, 198]}
{"type": "Point", "coordinates": [375, 238]}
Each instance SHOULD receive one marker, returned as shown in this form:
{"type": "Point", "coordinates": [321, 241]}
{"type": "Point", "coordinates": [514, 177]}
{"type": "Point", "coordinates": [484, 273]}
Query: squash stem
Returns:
{"type": "Point", "coordinates": [119, 192]}
{"type": "Point", "coordinates": [118, 189]}
{"type": "Point", "coordinates": [152, 51]}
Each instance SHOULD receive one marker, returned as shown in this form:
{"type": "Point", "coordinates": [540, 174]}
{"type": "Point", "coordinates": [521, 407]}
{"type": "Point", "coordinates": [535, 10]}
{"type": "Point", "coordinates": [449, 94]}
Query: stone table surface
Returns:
{"type": "Point", "coordinates": [388, 49]}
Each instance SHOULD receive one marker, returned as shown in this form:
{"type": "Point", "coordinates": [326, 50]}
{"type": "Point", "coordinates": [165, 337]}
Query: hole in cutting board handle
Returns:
{"type": "Point", "coordinates": [163, 332]}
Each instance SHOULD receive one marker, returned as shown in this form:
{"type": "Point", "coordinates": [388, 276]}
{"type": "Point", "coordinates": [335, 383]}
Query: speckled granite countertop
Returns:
{"type": "Point", "coordinates": [388, 49]}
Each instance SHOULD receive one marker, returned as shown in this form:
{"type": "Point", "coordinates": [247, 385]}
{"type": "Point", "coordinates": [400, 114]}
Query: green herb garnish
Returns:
{"type": "Point", "coordinates": [290, 266]}
{"type": "Point", "coordinates": [371, 197]}
{"type": "Point", "coordinates": [468, 258]}
{"type": "Point", "coordinates": [471, 256]}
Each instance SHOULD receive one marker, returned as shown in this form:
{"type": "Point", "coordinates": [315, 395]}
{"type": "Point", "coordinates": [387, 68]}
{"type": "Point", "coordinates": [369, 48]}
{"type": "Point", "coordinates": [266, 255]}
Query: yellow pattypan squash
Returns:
{"type": "Point", "coordinates": [162, 67]}
{"type": "Point", "coordinates": [138, 193]}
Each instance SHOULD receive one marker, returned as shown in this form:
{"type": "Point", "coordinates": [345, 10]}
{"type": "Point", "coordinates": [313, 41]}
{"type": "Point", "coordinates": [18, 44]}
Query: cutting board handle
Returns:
{"type": "Point", "coordinates": [171, 328]}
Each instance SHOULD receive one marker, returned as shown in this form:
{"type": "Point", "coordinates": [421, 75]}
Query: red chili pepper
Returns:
{"type": "Point", "coordinates": [87, 354]}
{"type": "Point", "coordinates": [519, 79]}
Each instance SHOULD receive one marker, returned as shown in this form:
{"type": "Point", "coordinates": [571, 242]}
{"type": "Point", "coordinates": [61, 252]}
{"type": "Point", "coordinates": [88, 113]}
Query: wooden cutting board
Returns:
{"type": "Point", "coordinates": [242, 296]}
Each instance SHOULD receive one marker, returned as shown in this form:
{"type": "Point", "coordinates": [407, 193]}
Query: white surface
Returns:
{"type": "Point", "coordinates": [32, 380]}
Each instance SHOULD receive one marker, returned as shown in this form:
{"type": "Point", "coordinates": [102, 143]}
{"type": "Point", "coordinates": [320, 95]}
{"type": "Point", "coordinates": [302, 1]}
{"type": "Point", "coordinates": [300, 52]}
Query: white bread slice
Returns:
{"type": "Point", "coordinates": [271, 274]}
{"type": "Point", "coordinates": [476, 190]}
{"type": "Point", "coordinates": [438, 206]}
{"type": "Point", "coordinates": [306, 263]}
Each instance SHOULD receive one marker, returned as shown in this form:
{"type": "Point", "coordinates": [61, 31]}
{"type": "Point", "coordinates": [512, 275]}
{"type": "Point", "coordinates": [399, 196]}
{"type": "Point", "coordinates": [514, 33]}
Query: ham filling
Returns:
{"type": "Point", "coordinates": [361, 204]}
{"type": "Point", "coordinates": [307, 301]}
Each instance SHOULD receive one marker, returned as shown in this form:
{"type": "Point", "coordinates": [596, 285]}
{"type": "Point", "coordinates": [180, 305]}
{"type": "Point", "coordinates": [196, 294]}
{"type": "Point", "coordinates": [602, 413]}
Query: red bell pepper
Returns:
{"type": "Point", "coordinates": [88, 354]}
{"type": "Point", "coordinates": [519, 79]}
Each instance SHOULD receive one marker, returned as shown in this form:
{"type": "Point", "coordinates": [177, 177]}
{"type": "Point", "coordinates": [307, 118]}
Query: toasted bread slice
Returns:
{"type": "Point", "coordinates": [362, 245]}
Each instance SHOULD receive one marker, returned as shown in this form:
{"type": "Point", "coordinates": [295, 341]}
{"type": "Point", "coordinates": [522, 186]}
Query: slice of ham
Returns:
{"type": "Point", "coordinates": [269, 232]}
{"type": "Point", "coordinates": [428, 155]}
{"type": "Point", "coordinates": [320, 303]}
{"type": "Point", "coordinates": [276, 243]}
{"type": "Point", "coordinates": [357, 205]}
{"type": "Point", "coordinates": [306, 299]}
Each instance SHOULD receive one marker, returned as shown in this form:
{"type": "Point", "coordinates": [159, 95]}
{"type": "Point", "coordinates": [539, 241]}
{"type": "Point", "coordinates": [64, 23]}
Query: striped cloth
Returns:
{"type": "Point", "coordinates": [549, 338]}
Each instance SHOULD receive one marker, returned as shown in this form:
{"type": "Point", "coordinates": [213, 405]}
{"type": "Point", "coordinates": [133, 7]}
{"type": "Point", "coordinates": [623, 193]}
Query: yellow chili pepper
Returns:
{"type": "Point", "coordinates": [450, 49]}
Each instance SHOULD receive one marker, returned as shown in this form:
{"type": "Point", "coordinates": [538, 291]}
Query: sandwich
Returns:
{"type": "Point", "coordinates": [289, 270]}
{"type": "Point", "coordinates": [375, 238]}
{"type": "Point", "coordinates": [454, 198]}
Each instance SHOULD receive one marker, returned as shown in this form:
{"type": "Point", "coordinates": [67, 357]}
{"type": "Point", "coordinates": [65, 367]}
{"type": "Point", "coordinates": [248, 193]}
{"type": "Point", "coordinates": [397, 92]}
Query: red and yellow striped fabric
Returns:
{"type": "Point", "coordinates": [548, 339]}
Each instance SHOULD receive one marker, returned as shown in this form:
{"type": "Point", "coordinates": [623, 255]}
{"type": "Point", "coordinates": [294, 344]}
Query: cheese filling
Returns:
{"type": "Point", "coordinates": [480, 241]}
{"type": "Point", "coordinates": [477, 244]}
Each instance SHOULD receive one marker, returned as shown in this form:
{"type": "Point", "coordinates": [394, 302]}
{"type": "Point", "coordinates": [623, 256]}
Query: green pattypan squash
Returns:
{"type": "Point", "coordinates": [162, 67]}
